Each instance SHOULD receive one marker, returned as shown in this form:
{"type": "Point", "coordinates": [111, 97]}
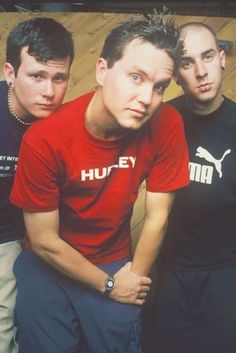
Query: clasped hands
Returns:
{"type": "Point", "coordinates": [129, 287]}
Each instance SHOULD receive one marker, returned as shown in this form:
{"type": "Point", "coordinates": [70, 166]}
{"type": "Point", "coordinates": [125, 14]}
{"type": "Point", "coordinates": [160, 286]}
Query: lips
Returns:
{"type": "Point", "coordinates": [138, 113]}
{"type": "Point", "coordinates": [46, 106]}
{"type": "Point", "coordinates": [205, 87]}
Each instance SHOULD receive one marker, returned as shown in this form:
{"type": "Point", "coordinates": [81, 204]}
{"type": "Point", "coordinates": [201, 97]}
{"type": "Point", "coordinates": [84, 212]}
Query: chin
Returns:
{"type": "Point", "coordinates": [204, 97]}
{"type": "Point", "coordinates": [42, 115]}
{"type": "Point", "coordinates": [133, 127]}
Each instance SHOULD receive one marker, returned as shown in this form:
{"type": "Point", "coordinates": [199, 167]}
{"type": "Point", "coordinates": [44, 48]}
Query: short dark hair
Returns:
{"type": "Point", "coordinates": [158, 30]}
{"type": "Point", "coordinates": [45, 38]}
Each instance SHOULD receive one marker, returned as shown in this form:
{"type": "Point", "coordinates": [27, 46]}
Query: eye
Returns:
{"type": "Point", "coordinates": [161, 87]}
{"type": "Point", "coordinates": [36, 76]}
{"type": "Point", "coordinates": [136, 78]}
{"type": "Point", "coordinates": [208, 57]}
{"type": "Point", "coordinates": [60, 78]}
{"type": "Point", "coordinates": [185, 63]}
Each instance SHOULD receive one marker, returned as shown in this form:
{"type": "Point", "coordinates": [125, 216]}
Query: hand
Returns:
{"type": "Point", "coordinates": [130, 288]}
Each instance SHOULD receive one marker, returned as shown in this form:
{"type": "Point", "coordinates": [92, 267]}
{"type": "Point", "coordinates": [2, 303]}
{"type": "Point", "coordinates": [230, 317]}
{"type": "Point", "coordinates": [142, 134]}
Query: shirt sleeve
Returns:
{"type": "Point", "coordinates": [36, 186]}
{"type": "Point", "coordinates": [170, 169]}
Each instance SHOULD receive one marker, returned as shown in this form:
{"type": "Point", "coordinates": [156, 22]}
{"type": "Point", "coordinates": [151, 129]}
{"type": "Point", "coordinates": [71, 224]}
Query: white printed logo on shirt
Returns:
{"type": "Point", "coordinates": [204, 173]}
{"type": "Point", "coordinates": [101, 173]}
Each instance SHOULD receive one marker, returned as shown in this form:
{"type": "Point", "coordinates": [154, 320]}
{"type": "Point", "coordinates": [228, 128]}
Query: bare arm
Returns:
{"type": "Point", "coordinates": [158, 206]}
{"type": "Point", "coordinates": [43, 232]}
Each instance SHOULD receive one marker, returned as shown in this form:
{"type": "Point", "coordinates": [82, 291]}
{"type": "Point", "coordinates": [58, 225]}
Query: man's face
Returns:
{"type": "Point", "coordinates": [199, 72]}
{"type": "Point", "coordinates": [39, 88]}
{"type": "Point", "coordinates": [133, 88]}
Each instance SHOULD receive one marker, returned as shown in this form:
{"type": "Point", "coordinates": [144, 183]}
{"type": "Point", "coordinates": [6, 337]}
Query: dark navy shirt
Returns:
{"type": "Point", "coordinates": [202, 224]}
{"type": "Point", "coordinates": [11, 132]}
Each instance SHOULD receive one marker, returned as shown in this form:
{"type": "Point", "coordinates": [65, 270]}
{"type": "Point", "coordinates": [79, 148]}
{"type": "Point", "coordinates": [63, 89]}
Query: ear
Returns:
{"type": "Point", "coordinates": [9, 72]}
{"type": "Point", "coordinates": [101, 70]}
{"type": "Point", "coordinates": [222, 59]}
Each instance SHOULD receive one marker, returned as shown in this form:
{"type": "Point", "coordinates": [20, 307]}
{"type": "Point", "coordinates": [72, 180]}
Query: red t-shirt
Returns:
{"type": "Point", "coordinates": [95, 182]}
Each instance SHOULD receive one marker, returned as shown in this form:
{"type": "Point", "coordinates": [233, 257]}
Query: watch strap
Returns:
{"type": "Point", "coordinates": [109, 285]}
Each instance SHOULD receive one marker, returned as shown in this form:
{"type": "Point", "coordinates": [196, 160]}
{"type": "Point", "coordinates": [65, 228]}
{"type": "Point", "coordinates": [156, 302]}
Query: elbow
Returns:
{"type": "Point", "coordinates": [44, 250]}
{"type": "Point", "coordinates": [39, 249]}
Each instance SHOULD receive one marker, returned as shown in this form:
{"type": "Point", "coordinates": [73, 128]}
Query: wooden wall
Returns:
{"type": "Point", "coordinates": [89, 31]}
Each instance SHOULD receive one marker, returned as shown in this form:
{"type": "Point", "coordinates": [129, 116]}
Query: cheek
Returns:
{"type": "Point", "coordinates": [60, 92]}
{"type": "Point", "coordinates": [218, 74]}
{"type": "Point", "coordinates": [186, 78]}
{"type": "Point", "coordinates": [23, 98]}
{"type": "Point", "coordinates": [112, 93]}
{"type": "Point", "coordinates": [154, 107]}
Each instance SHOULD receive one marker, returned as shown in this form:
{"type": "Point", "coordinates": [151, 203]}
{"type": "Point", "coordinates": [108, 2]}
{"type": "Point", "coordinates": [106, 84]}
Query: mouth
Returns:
{"type": "Point", "coordinates": [46, 106]}
{"type": "Point", "coordinates": [204, 87]}
{"type": "Point", "coordinates": [138, 113]}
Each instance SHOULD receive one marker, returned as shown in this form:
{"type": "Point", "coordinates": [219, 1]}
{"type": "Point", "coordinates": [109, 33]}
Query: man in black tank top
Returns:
{"type": "Point", "coordinates": [195, 301]}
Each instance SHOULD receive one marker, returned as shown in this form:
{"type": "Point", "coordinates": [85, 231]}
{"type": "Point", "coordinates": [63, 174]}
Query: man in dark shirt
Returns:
{"type": "Point", "coordinates": [36, 78]}
{"type": "Point", "coordinates": [196, 307]}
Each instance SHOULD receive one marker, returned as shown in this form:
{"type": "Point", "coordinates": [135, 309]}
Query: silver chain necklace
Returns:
{"type": "Point", "coordinates": [26, 123]}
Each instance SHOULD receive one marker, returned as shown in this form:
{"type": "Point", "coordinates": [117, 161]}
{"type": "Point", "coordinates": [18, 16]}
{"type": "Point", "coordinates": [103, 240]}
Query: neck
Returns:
{"type": "Point", "coordinates": [205, 108]}
{"type": "Point", "coordinates": [19, 119]}
{"type": "Point", "coordinates": [99, 122]}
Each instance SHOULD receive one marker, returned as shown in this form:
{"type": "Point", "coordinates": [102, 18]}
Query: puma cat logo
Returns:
{"type": "Point", "coordinates": [203, 153]}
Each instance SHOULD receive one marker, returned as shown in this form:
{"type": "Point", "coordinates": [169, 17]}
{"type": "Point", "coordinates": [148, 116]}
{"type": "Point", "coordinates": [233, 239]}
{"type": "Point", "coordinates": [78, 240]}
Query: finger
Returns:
{"type": "Point", "coordinates": [139, 301]}
{"type": "Point", "coordinates": [142, 295]}
{"type": "Point", "coordinates": [145, 288]}
{"type": "Point", "coordinates": [146, 280]}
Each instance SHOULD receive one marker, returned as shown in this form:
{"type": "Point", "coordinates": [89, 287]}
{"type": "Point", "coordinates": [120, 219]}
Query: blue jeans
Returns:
{"type": "Point", "coordinates": [55, 314]}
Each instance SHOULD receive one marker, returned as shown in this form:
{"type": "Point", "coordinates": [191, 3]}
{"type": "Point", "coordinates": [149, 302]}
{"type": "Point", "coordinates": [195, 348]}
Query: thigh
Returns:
{"type": "Point", "coordinates": [8, 253]}
{"type": "Point", "coordinates": [109, 326]}
{"type": "Point", "coordinates": [219, 320]}
{"type": "Point", "coordinates": [44, 315]}
{"type": "Point", "coordinates": [174, 330]}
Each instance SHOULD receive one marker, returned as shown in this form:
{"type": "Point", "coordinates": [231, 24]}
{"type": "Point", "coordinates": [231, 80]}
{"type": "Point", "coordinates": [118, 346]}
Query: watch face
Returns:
{"type": "Point", "coordinates": [110, 283]}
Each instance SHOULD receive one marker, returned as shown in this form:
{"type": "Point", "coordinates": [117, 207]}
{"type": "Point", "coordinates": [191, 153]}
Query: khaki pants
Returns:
{"type": "Point", "coordinates": [8, 253]}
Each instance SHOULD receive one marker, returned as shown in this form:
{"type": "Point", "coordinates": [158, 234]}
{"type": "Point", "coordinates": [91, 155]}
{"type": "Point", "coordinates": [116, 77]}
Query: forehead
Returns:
{"type": "Point", "coordinates": [197, 40]}
{"type": "Point", "coordinates": [29, 63]}
{"type": "Point", "coordinates": [140, 53]}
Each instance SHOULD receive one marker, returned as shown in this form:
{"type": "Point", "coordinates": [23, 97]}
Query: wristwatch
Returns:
{"type": "Point", "coordinates": [109, 285]}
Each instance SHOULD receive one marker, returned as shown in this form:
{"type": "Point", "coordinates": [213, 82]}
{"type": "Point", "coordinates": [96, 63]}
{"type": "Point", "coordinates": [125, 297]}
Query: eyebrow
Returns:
{"type": "Point", "coordinates": [139, 70]}
{"type": "Point", "coordinates": [43, 72]}
{"type": "Point", "coordinates": [208, 51]}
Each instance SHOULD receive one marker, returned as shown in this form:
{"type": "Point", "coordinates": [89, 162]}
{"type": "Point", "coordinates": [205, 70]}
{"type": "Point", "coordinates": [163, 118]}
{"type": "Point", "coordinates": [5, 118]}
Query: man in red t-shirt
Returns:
{"type": "Point", "coordinates": [77, 185]}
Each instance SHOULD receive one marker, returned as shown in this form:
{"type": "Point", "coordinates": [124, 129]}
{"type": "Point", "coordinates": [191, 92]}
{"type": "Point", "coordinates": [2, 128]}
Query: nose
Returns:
{"type": "Point", "coordinates": [145, 96]}
{"type": "Point", "coordinates": [48, 89]}
{"type": "Point", "coordinates": [200, 69]}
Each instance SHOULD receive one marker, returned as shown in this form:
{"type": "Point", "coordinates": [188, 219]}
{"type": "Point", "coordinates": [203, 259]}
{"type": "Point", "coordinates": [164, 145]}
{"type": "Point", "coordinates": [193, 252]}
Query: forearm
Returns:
{"type": "Point", "coordinates": [157, 207]}
{"type": "Point", "coordinates": [43, 232]}
{"type": "Point", "coordinates": [67, 260]}
{"type": "Point", "coordinates": [148, 247]}
{"type": "Point", "coordinates": [71, 263]}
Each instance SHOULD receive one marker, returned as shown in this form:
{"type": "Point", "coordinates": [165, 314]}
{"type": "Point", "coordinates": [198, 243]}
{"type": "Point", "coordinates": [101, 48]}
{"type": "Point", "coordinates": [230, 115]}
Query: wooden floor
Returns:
{"type": "Point", "coordinates": [89, 31]}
